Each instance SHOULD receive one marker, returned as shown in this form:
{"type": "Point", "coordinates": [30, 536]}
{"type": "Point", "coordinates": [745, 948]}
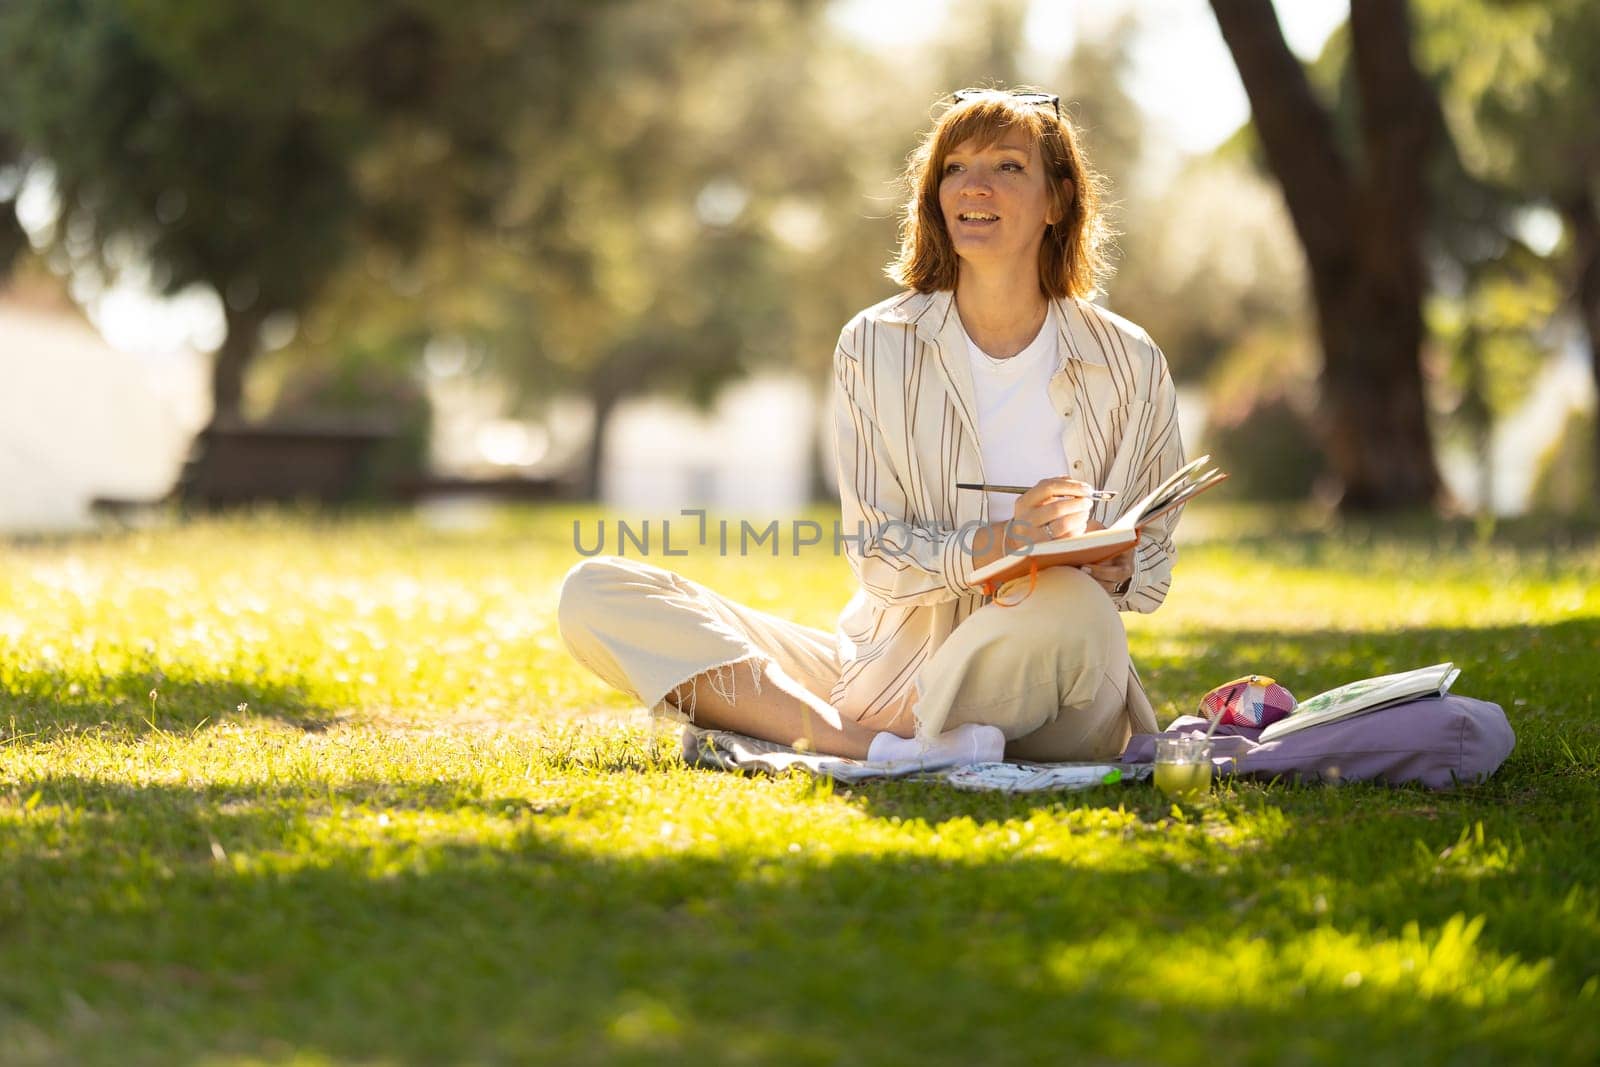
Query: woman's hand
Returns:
{"type": "Point", "coordinates": [1110, 573]}
{"type": "Point", "coordinates": [1054, 507]}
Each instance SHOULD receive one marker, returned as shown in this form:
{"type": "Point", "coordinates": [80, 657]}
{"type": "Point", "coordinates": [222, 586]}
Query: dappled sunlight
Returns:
{"type": "Point", "coordinates": [641, 917]}
{"type": "Point", "coordinates": [263, 618]}
{"type": "Point", "coordinates": [1200, 969]}
{"type": "Point", "coordinates": [1353, 593]}
{"type": "Point", "coordinates": [608, 794]}
{"type": "Point", "coordinates": [369, 761]}
{"type": "Point", "coordinates": [297, 766]}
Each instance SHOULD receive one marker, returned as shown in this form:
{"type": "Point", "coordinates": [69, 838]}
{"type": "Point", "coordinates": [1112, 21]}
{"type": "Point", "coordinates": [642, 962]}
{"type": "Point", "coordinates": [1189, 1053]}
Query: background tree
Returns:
{"type": "Point", "coordinates": [694, 218]}
{"type": "Point", "coordinates": [13, 240]}
{"type": "Point", "coordinates": [1113, 128]}
{"type": "Point", "coordinates": [1521, 89]}
{"type": "Point", "coordinates": [223, 144]}
{"type": "Point", "coordinates": [1361, 223]}
{"type": "Point", "coordinates": [701, 210]}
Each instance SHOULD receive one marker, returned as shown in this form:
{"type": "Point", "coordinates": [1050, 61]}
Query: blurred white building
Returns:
{"type": "Point", "coordinates": [80, 419]}
{"type": "Point", "coordinates": [752, 453]}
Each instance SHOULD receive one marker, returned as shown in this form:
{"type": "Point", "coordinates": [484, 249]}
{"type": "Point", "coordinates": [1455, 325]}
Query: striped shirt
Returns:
{"type": "Point", "coordinates": [906, 432]}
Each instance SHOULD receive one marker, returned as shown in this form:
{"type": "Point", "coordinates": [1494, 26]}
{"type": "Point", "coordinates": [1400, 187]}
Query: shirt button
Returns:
{"type": "Point", "coordinates": [1077, 464]}
{"type": "Point", "coordinates": [1067, 413]}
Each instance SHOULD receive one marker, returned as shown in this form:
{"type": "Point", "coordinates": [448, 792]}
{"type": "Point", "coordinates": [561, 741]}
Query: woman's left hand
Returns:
{"type": "Point", "coordinates": [1110, 573]}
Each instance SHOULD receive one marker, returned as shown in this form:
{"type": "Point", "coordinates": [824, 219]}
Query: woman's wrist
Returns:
{"type": "Point", "coordinates": [989, 543]}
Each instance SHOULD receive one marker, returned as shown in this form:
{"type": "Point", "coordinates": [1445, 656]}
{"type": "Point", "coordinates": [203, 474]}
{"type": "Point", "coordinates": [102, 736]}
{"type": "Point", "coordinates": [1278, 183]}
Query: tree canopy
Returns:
{"type": "Point", "coordinates": [228, 144]}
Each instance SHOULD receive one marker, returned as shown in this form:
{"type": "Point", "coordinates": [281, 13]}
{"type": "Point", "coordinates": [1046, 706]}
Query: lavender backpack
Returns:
{"type": "Point", "coordinates": [1440, 742]}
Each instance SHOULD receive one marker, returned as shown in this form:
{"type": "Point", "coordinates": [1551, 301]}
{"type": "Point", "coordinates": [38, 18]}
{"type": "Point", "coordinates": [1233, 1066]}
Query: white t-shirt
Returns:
{"type": "Point", "coordinates": [1020, 436]}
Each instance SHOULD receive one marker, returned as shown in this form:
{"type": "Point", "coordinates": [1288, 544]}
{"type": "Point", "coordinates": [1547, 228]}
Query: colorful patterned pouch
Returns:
{"type": "Point", "coordinates": [1254, 700]}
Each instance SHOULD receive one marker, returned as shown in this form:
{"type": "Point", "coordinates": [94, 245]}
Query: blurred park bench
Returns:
{"type": "Point", "coordinates": [242, 464]}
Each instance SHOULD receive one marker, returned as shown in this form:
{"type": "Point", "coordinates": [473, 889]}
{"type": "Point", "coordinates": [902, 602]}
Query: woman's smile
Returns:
{"type": "Point", "coordinates": [978, 218]}
{"type": "Point", "coordinates": [994, 199]}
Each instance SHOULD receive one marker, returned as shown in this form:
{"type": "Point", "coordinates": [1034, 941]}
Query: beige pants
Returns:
{"type": "Point", "coordinates": [1052, 672]}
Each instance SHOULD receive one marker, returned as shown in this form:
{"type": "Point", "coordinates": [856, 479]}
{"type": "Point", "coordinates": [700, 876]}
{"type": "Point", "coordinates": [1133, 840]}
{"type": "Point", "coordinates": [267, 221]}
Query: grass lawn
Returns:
{"type": "Point", "coordinates": [278, 790]}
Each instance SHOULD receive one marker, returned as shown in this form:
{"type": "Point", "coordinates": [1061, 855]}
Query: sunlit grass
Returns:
{"type": "Point", "coordinates": [281, 790]}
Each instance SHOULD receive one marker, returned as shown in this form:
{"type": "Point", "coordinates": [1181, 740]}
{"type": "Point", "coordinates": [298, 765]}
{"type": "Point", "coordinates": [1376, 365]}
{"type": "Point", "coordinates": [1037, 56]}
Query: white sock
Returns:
{"type": "Point", "coordinates": [969, 743]}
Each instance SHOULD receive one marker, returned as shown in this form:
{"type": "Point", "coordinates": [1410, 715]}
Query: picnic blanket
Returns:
{"type": "Point", "coordinates": [727, 751]}
{"type": "Point", "coordinates": [1439, 742]}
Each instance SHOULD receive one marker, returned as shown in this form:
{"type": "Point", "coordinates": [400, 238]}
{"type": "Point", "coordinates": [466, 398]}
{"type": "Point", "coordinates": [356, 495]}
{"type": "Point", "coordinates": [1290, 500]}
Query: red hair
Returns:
{"type": "Point", "coordinates": [1070, 259]}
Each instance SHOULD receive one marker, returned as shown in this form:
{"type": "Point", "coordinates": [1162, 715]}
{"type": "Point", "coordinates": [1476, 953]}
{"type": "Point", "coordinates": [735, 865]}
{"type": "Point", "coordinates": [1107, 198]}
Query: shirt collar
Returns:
{"type": "Point", "coordinates": [929, 312]}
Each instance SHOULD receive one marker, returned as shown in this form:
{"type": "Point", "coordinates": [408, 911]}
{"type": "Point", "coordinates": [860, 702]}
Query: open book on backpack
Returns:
{"type": "Point", "coordinates": [1093, 546]}
{"type": "Point", "coordinates": [1368, 694]}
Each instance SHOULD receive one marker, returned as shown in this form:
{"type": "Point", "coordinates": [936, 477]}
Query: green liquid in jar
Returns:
{"type": "Point", "coordinates": [1182, 780]}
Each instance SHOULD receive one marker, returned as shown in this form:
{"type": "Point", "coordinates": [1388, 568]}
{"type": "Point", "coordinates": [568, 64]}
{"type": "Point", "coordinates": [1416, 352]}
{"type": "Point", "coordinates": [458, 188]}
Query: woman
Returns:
{"type": "Point", "coordinates": [992, 368]}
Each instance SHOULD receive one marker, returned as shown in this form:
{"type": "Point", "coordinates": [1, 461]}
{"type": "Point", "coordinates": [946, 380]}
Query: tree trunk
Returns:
{"type": "Point", "coordinates": [820, 489]}
{"type": "Point", "coordinates": [1362, 236]}
{"type": "Point", "coordinates": [1373, 413]}
{"type": "Point", "coordinates": [13, 240]}
{"type": "Point", "coordinates": [604, 400]}
{"type": "Point", "coordinates": [1584, 221]}
{"type": "Point", "coordinates": [233, 360]}
{"type": "Point", "coordinates": [1474, 407]}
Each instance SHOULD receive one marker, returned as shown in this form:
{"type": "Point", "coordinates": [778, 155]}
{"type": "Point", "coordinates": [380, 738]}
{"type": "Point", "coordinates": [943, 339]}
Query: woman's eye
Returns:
{"type": "Point", "coordinates": [951, 168]}
{"type": "Point", "coordinates": [1009, 164]}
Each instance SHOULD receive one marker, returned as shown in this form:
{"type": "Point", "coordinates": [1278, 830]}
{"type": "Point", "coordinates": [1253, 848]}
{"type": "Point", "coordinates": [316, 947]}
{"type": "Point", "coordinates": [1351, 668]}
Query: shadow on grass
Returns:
{"type": "Point", "coordinates": [42, 701]}
{"type": "Point", "coordinates": [132, 938]}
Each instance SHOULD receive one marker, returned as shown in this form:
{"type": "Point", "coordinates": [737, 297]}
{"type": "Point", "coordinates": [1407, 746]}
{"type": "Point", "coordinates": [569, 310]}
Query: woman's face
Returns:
{"type": "Point", "coordinates": [996, 200]}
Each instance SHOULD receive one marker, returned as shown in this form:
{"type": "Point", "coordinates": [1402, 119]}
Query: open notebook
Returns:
{"type": "Point", "coordinates": [1190, 480]}
{"type": "Point", "coordinates": [1367, 694]}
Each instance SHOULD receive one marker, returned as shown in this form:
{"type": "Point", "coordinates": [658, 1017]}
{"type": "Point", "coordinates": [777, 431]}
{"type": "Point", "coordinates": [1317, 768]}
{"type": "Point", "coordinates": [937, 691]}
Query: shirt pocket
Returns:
{"type": "Point", "coordinates": [1095, 443]}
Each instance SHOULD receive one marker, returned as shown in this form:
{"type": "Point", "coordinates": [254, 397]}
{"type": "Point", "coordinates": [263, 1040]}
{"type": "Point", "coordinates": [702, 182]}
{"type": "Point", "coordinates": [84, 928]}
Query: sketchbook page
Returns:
{"type": "Point", "coordinates": [1367, 694]}
{"type": "Point", "coordinates": [1176, 498]}
{"type": "Point", "coordinates": [1176, 491]}
{"type": "Point", "coordinates": [1139, 513]}
{"type": "Point", "coordinates": [1132, 516]}
{"type": "Point", "coordinates": [1182, 498]}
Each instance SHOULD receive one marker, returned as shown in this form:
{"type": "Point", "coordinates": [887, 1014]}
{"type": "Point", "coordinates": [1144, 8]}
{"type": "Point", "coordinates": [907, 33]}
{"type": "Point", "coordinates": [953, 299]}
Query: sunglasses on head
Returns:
{"type": "Point", "coordinates": [1026, 98]}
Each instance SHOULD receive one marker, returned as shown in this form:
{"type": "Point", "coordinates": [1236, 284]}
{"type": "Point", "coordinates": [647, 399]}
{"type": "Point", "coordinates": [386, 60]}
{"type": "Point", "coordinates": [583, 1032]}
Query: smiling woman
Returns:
{"type": "Point", "coordinates": [993, 367]}
{"type": "Point", "coordinates": [1031, 164]}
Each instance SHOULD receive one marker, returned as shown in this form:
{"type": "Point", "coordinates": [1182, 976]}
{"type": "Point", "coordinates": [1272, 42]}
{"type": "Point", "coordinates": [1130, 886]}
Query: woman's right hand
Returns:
{"type": "Point", "coordinates": [1054, 507]}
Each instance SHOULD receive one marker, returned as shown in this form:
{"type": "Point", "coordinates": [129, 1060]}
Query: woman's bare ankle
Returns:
{"type": "Point", "coordinates": [777, 708]}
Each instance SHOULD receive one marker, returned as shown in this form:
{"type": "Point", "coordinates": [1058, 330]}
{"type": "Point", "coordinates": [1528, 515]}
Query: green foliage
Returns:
{"type": "Point", "coordinates": [244, 147]}
{"type": "Point", "coordinates": [1212, 269]}
{"type": "Point", "coordinates": [144, 150]}
{"type": "Point", "coordinates": [1517, 88]}
{"type": "Point", "coordinates": [1567, 472]}
{"type": "Point", "coordinates": [1519, 91]}
{"type": "Point", "coordinates": [373, 812]}
{"type": "Point", "coordinates": [1260, 416]}
{"type": "Point", "coordinates": [1270, 452]}
{"type": "Point", "coordinates": [1524, 80]}
{"type": "Point", "coordinates": [693, 211]}
{"type": "Point", "coordinates": [13, 241]}
{"type": "Point", "coordinates": [1492, 333]}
